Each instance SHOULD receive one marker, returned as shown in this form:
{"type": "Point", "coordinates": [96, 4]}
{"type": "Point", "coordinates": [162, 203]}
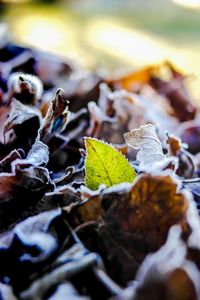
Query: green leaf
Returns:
{"type": "Point", "coordinates": [105, 165]}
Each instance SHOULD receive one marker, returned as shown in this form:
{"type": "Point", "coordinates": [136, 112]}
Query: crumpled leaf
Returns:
{"type": "Point", "coordinates": [176, 94]}
{"type": "Point", "coordinates": [168, 273]}
{"type": "Point", "coordinates": [66, 290]}
{"type": "Point", "coordinates": [105, 165]}
{"type": "Point", "coordinates": [174, 145]}
{"type": "Point", "coordinates": [25, 88]}
{"type": "Point", "coordinates": [97, 119]}
{"type": "Point", "coordinates": [19, 114]}
{"type": "Point", "coordinates": [193, 185]}
{"type": "Point", "coordinates": [104, 123]}
{"type": "Point", "coordinates": [81, 88]}
{"type": "Point", "coordinates": [24, 121]}
{"type": "Point", "coordinates": [31, 243]}
{"type": "Point", "coordinates": [151, 198]}
{"type": "Point", "coordinates": [20, 191]}
{"type": "Point", "coordinates": [186, 164]}
{"type": "Point", "coordinates": [67, 265]}
{"type": "Point", "coordinates": [56, 117]}
{"type": "Point", "coordinates": [135, 222]}
{"type": "Point", "coordinates": [150, 154]}
{"type": "Point", "coordinates": [38, 154]}
{"type": "Point", "coordinates": [190, 134]}
{"type": "Point", "coordinates": [5, 164]}
{"type": "Point", "coordinates": [131, 81]}
{"type": "Point", "coordinates": [132, 110]}
{"type": "Point", "coordinates": [23, 183]}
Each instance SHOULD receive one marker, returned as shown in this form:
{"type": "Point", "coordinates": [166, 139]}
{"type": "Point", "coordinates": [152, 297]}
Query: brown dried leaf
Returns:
{"type": "Point", "coordinates": [90, 210]}
{"type": "Point", "coordinates": [19, 114]}
{"type": "Point", "coordinates": [56, 117]}
{"type": "Point", "coordinates": [138, 77]}
{"type": "Point", "coordinates": [177, 95]}
{"type": "Point", "coordinates": [25, 88]}
{"type": "Point", "coordinates": [167, 273]}
{"type": "Point", "coordinates": [5, 163]}
{"type": "Point", "coordinates": [174, 145]}
{"type": "Point", "coordinates": [135, 221]}
{"type": "Point", "coordinates": [20, 191]}
{"type": "Point", "coordinates": [151, 207]}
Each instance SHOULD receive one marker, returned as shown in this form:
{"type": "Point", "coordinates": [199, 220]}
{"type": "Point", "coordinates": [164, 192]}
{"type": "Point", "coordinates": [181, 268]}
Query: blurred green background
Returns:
{"type": "Point", "coordinates": [111, 34]}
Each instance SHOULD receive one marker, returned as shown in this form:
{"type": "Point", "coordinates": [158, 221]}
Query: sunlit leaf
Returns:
{"type": "Point", "coordinates": [105, 165]}
{"type": "Point", "coordinates": [127, 81]}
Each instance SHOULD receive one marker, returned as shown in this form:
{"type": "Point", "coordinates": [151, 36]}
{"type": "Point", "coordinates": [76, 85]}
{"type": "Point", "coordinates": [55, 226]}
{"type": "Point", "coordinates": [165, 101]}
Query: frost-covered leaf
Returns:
{"type": "Point", "coordinates": [25, 88]}
{"type": "Point", "coordinates": [5, 164]}
{"type": "Point", "coordinates": [150, 154]}
{"type": "Point", "coordinates": [193, 185]}
{"type": "Point", "coordinates": [56, 117]}
{"type": "Point", "coordinates": [39, 154]}
{"type": "Point", "coordinates": [168, 272]}
{"type": "Point", "coordinates": [19, 114]}
{"type": "Point", "coordinates": [135, 221]}
{"type": "Point", "coordinates": [31, 242]}
{"type": "Point", "coordinates": [186, 165]}
{"type": "Point", "coordinates": [151, 207]}
{"type": "Point", "coordinates": [105, 165]}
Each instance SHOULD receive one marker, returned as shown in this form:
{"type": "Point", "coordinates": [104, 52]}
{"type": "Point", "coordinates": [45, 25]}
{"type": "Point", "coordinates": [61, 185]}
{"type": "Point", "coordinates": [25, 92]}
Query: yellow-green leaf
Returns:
{"type": "Point", "coordinates": [105, 165]}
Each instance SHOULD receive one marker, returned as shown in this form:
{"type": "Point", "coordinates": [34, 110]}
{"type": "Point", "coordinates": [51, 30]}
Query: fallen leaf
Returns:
{"type": "Point", "coordinates": [168, 273]}
{"type": "Point", "coordinates": [150, 154]}
{"type": "Point", "coordinates": [56, 117]}
{"type": "Point", "coordinates": [151, 207]}
{"type": "Point", "coordinates": [129, 81]}
{"type": "Point", "coordinates": [25, 88]}
{"type": "Point", "coordinates": [105, 165]}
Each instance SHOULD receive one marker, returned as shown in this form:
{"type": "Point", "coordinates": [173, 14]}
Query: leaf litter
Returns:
{"type": "Point", "coordinates": [99, 181]}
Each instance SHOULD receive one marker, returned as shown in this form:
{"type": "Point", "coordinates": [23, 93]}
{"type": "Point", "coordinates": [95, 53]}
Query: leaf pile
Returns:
{"type": "Point", "coordinates": [99, 181]}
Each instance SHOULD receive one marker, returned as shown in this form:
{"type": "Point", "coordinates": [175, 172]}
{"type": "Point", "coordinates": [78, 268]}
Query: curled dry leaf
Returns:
{"type": "Point", "coordinates": [149, 209]}
{"type": "Point", "coordinates": [19, 114]}
{"type": "Point", "coordinates": [5, 164]}
{"type": "Point", "coordinates": [190, 134]}
{"type": "Point", "coordinates": [174, 145]}
{"type": "Point", "coordinates": [193, 185]}
{"type": "Point", "coordinates": [176, 94]}
{"type": "Point", "coordinates": [167, 271]}
{"type": "Point", "coordinates": [23, 184]}
{"type": "Point", "coordinates": [135, 221]}
{"type": "Point", "coordinates": [186, 164]}
{"type": "Point", "coordinates": [56, 117]}
{"type": "Point", "coordinates": [25, 88]}
{"type": "Point", "coordinates": [24, 121]}
{"type": "Point", "coordinates": [133, 80]}
{"type": "Point", "coordinates": [20, 191]}
{"type": "Point", "coordinates": [31, 242]}
{"type": "Point", "coordinates": [38, 155]}
{"type": "Point", "coordinates": [150, 154]}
